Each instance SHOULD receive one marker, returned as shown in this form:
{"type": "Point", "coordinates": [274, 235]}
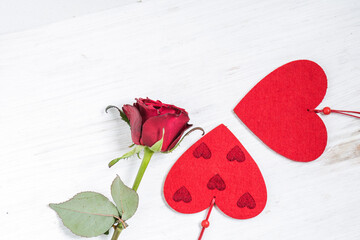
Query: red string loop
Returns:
{"type": "Point", "coordinates": [205, 223]}
{"type": "Point", "coordinates": [327, 111]}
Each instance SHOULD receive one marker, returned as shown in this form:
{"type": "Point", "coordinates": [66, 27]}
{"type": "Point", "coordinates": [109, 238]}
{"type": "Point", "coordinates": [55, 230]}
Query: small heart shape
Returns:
{"type": "Point", "coordinates": [202, 151]}
{"type": "Point", "coordinates": [182, 194]}
{"type": "Point", "coordinates": [216, 182]}
{"type": "Point", "coordinates": [246, 200]}
{"type": "Point", "coordinates": [236, 154]}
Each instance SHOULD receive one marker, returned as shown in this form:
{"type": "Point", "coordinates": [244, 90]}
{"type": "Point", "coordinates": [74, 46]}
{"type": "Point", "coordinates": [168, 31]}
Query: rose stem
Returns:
{"type": "Point", "coordinates": [145, 162]}
{"type": "Point", "coordinates": [117, 232]}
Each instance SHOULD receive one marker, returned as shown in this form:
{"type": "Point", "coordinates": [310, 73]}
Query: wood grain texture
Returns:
{"type": "Point", "coordinates": [56, 140]}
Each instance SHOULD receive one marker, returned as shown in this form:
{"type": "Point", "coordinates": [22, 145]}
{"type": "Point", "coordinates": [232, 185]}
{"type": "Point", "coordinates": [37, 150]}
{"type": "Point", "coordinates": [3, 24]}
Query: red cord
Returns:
{"type": "Point", "coordinates": [327, 111]}
{"type": "Point", "coordinates": [205, 223]}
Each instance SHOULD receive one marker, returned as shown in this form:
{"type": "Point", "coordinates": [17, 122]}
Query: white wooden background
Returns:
{"type": "Point", "coordinates": [56, 139]}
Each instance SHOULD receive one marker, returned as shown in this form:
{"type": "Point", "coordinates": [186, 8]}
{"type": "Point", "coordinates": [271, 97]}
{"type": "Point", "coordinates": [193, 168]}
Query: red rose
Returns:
{"type": "Point", "coordinates": [148, 118]}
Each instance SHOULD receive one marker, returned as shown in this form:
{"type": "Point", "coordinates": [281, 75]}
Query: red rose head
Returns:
{"type": "Point", "coordinates": [148, 118]}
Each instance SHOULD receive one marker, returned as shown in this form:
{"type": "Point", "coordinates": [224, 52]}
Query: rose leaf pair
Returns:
{"type": "Point", "coordinates": [90, 214]}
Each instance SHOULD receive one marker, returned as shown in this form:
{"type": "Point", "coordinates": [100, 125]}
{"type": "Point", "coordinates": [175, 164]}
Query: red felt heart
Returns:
{"type": "Point", "coordinates": [277, 110]}
{"type": "Point", "coordinates": [228, 181]}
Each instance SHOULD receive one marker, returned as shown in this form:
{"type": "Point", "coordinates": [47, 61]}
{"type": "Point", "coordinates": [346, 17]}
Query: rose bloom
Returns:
{"type": "Point", "coordinates": [148, 118]}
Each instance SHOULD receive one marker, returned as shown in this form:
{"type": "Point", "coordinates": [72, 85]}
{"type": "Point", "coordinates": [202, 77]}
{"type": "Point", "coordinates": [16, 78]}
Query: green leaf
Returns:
{"type": "Point", "coordinates": [124, 117]}
{"type": "Point", "coordinates": [158, 145]}
{"type": "Point", "coordinates": [126, 199]}
{"type": "Point", "coordinates": [135, 150]}
{"type": "Point", "coordinates": [87, 214]}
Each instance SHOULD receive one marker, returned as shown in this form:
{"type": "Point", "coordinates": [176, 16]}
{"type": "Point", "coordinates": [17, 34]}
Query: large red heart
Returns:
{"type": "Point", "coordinates": [278, 110]}
{"type": "Point", "coordinates": [216, 166]}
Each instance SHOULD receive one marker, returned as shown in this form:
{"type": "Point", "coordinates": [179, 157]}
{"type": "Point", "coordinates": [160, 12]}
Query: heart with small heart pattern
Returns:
{"type": "Point", "coordinates": [216, 166]}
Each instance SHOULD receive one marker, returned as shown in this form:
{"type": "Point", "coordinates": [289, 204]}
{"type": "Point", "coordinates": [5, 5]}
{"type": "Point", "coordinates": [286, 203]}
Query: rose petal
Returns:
{"type": "Point", "coordinates": [177, 139]}
{"type": "Point", "coordinates": [148, 101]}
{"type": "Point", "coordinates": [173, 125]}
{"type": "Point", "coordinates": [177, 109]}
{"type": "Point", "coordinates": [135, 119]}
{"type": "Point", "coordinates": [146, 111]}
